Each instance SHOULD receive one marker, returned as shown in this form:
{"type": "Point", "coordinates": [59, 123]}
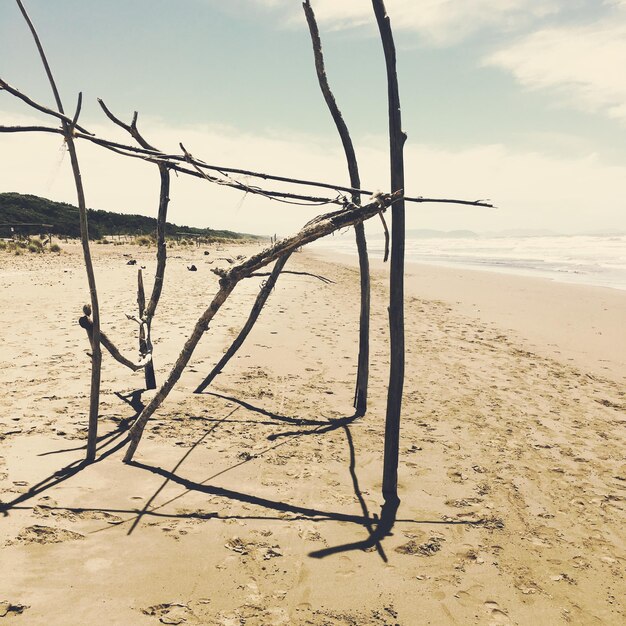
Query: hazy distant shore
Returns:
{"type": "Point", "coordinates": [598, 260]}
{"type": "Point", "coordinates": [583, 324]}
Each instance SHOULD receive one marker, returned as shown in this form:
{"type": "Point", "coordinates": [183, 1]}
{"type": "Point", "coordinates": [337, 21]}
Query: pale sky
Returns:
{"type": "Point", "coordinates": [519, 101]}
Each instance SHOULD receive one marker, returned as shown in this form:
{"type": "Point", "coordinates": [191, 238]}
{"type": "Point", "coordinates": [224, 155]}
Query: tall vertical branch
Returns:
{"type": "Point", "coordinates": [360, 395]}
{"type": "Point", "coordinates": [164, 199]}
{"type": "Point", "coordinates": [96, 353]}
{"type": "Point", "coordinates": [396, 283]}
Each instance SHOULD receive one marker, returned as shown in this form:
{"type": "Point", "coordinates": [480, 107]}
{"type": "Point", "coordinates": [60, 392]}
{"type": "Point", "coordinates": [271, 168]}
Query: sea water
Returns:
{"type": "Point", "coordinates": [585, 259]}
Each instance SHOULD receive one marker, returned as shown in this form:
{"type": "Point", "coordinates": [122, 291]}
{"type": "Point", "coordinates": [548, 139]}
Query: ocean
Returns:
{"type": "Point", "coordinates": [583, 259]}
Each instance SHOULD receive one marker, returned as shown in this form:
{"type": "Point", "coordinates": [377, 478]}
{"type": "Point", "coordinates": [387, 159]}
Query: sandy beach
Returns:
{"type": "Point", "coordinates": [253, 502]}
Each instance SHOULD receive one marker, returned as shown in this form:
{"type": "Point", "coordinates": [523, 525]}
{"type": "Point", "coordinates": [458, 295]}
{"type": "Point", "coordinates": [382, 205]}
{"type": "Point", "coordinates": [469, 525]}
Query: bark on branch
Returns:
{"type": "Point", "coordinates": [396, 281]}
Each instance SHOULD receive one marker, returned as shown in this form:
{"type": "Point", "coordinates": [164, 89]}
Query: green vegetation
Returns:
{"type": "Point", "coordinates": [17, 208]}
{"type": "Point", "coordinates": [144, 241]}
{"type": "Point", "coordinates": [33, 244]}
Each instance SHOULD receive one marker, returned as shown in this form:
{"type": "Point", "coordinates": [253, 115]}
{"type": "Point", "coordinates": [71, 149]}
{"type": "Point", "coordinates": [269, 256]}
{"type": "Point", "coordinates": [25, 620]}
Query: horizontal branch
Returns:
{"type": "Point", "coordinates": [315, 229]}
{"type": "Point", "coordinates": [171, 160]}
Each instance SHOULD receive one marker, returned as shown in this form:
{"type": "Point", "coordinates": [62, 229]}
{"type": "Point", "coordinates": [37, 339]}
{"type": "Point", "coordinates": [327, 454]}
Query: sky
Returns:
{"type": "Point", "coordinates": [519, 101]}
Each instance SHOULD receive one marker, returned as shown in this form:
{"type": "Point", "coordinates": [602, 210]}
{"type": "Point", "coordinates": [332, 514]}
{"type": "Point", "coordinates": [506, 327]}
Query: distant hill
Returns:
{"type": "Point", "coordinates": [16, 208]}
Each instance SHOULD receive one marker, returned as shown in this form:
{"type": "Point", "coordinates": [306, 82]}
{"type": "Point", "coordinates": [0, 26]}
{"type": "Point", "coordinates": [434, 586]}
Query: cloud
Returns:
{"type": "Point", "coordinates": [436, 21]}
{"type": "Point", "coordinates": [582, 65]}
{"type": "Point", "coordinates": [531, 189]}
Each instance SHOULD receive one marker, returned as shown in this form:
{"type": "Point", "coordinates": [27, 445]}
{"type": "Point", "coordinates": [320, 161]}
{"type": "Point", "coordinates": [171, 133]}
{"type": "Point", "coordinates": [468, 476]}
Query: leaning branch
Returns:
{"type": "Point", "coordinates": [259, 303]}
{"type": "Point", "coordinates": [319, 227]}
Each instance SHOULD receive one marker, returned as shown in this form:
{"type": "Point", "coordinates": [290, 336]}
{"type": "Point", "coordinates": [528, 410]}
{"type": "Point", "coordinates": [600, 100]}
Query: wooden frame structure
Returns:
{"type": "Point", "coordinates": [351, 212]}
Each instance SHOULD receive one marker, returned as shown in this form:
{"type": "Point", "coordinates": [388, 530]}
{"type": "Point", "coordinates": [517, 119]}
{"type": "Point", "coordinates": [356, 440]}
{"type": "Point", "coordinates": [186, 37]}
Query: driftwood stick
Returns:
{"type": "Point", "coordinates": [87, 324]}
{"type": "Point", "coordinates": [141, 294]}
{"type": "Point", "coordinates": [325, 280]}
{"type": "Point", "coordinates": [259, 303]}
{"type": "Point", "coordinates": [288, 198]}
{"type": "Point", "coordinates": [147, 313]}
{"type": "Point", "coordinates": [386, 231]}
{"type": "Point", "coordinates": [68, 133]}
{"type": "Point", "coordinates": [171, 159]}
{"type": "Point", "coordinates": [321, 226]}
{"type": "Point", "coordinates": [360, 393]}
{"type": "Point", "coordinates": [396, 284]}
{"type": "Point", "coordinates": [157, 287]}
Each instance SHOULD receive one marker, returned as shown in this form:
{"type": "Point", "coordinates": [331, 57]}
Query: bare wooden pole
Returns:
{"type": "Point", "coordinates": [319, 227]}
{"type": "Point", "coordinates": [396, 281]}
{"type": "Point", "coordinates": [259, 303]}
{"type": "Point", "coordinates": [157, 286]}
{"type": "Point", "coordinates": [68, 133]}
{"type": "Point", "coordinates": [360, 394]}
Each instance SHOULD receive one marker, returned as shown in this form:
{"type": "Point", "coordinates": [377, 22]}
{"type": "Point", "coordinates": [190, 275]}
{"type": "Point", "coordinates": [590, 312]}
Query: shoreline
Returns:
{"type": "Point", "coordinates": [585, 275]}
{"type": "Point", "coordinates": [580, 324]}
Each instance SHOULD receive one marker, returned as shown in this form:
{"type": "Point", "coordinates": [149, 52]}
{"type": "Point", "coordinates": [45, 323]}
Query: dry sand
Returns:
{"type": "Point", "coordinates": [253, 502]}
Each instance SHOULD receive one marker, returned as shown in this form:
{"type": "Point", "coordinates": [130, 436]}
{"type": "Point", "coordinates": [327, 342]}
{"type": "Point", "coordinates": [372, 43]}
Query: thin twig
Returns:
{"type": "Point", "coordinates": [325, 280]}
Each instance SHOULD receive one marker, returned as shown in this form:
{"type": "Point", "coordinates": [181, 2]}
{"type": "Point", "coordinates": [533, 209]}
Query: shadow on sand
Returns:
{"type": "Point", "coordinates": [378, 527]}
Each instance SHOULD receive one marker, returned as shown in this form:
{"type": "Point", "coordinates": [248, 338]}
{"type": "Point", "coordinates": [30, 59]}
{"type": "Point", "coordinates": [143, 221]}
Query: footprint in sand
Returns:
{"type": "Point", "coordinates": [169, 612]}
{"type": "Point", "coordinates": [46, 534]}
{"type": "Point", "coordinates": [498, 615]}
{"type": "Point", "coordinates": [346, 567]}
